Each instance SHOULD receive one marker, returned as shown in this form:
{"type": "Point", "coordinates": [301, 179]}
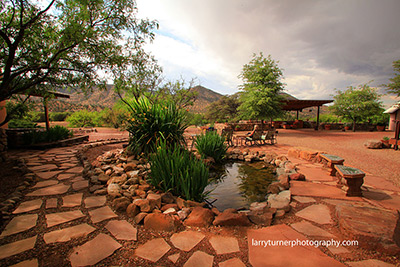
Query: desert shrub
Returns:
{"type": "Point", "coordinates": [176, 170]}
{"type": "Point", "coordinates": [84, 118]}
{"type": "Point", "coordinates": [55, 133]}
{"type": "Point", "coordinates": [211, 144]}
{"type": "Point", "coordinates": [115, 117]}
{"type": "Point", "coordinates": [58, 116]}
{"type": "Point", "coordinates": [330, 118]}
{"type": "Point", "coordinates": [21, 123]}
{"type": "Point", "coordinates": [37, 116]}
{"type": "Point", "coordinates": [196, 119]}
{"type": "Point", "coordinates": [151, 122]}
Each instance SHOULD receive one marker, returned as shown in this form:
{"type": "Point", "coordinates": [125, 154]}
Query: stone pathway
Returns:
{"type": "Point", "coordinates": [59, 209]}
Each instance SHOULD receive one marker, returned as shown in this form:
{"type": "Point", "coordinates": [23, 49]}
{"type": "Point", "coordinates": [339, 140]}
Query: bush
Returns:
{"type": "Point", "coordinates": [21, 123]}
{"type": "Point", "coordinates": [115, 117]}
{"type": "Point", "coordinates": [55, 133]}
{"type": "Point", "coordinates": [211, 144]}
{"type": "Point", "coordinates": [37, 116]}
{"type": "Point", "coordinates": [152, 122]}
{"type": "Point", "coordinates": [58, 116]}
{"type": "Point", "coordinates": [83, 118]}
{"type": "Point", "coordinates": [178, 171]}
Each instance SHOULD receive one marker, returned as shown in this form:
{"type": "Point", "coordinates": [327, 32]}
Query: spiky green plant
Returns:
{"type": "Point", "coordinates": [211, 144]}
{"type": "Point", "coordinates": [152, 122]}
{"type": "Point", "coordinates": [176, 170]}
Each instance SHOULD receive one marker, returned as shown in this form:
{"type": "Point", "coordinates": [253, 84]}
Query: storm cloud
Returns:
{"type": "Point", "coordinates": [320, 45]}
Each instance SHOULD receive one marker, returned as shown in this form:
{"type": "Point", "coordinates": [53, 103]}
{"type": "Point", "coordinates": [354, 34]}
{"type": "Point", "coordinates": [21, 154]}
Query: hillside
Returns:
{"type": "Point", "coordinates": [100, 99]}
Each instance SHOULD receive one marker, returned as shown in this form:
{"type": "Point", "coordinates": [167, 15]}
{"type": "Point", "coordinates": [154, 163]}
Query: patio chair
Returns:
{"type": "Point", "coordinates": [269, 136]}
{"type": "Point", "coordinates": [255, 139]}
{"type": "Point", "coordinates": [228, 135]}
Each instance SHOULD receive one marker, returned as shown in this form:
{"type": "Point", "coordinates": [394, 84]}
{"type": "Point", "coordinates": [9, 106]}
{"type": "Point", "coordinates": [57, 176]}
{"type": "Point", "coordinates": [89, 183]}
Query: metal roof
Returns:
{"type": "Point", "coordinates": [393, 109]}
{"type": "Point", "coordinates": [301, 104]}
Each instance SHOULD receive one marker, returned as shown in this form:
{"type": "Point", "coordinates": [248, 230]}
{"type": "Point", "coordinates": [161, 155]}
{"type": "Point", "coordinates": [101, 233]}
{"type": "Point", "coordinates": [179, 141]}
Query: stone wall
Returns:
{"type": "Point", "coordinates": [3, 145]}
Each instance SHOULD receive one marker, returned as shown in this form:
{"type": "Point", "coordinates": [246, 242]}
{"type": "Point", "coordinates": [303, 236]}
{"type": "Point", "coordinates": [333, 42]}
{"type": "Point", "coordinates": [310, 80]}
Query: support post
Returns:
{"type": "Point", "coordinates": [317, 127]}
{"type": "Point", "coordinates": [46, 113]}
{"type": "Point", "coordinates": [297, 116]}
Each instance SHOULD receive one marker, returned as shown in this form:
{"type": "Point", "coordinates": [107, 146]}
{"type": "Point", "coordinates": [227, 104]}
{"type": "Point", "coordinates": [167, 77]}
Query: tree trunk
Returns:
{"type": "Point", "coordinates": [354, 125]}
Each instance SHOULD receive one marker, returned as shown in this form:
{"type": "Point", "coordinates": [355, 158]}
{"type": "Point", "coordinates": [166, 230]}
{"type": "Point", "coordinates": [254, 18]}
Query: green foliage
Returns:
{"type": "Point", "coordinates": [84, 118]}
{"type": "Point", "coordinates": [176, 170]}
{"type": "Point", "coordinates": [261, 87]}
{"type": "Point", "coordinates": [58, 116]}
{"type": "Point", "coordinates": [211, 144]}
{"type": "Point", "coordinates": [394, 86]}
{"type": "Point", "coordinates": [327, 118]}
{"type": "Point", "coordinates": [357, 104]}
{"type": "Point", "coordinates": [67, 42]}
{"type": "Point", "coordinates": [380, 118]}
{"type": "Point", "coordinates": [225, 109]}
{"type": "Point", "coordinates": [152, 122]}
{"type": "Point", "coordinates": [21, 123]}
{"type": "Point", "coordinates": [115, 117]}
{"type": "Point", "coordinates": [55, 133]}
{"type": "Point", "coordinates": [196, 119]}
{"type": "Point", "coordinates": [37, 116]}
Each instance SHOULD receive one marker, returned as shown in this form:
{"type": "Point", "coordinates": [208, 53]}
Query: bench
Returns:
{"type": "Point", "coordinates": [354, 179]}
{"type": "Point", "coordinates": [331, 161]}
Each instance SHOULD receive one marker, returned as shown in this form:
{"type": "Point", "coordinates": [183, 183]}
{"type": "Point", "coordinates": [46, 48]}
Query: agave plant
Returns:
{"type": "Point", "coordinates": [152, 122]}
{"type": "Point", "coordinates": [176, 170]}
{"type": "Point", "coordinates": [211, 144]}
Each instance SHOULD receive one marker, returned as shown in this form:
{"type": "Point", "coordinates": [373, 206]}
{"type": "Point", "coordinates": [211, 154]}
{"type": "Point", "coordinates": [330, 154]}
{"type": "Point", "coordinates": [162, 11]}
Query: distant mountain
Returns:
{"type": "Point", "coordinates": [205, 97]}
{"type": "Point", "coordinates": [100, 99]}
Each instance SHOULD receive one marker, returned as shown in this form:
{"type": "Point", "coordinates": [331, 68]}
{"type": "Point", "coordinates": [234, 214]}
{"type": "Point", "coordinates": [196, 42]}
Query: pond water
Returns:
{"type": "Point", "coordinates": [237, 184]}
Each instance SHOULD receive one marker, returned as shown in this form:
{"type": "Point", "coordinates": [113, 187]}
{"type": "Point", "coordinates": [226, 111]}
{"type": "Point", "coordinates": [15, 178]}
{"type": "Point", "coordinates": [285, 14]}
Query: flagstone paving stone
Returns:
{"type": "Point", "coordinates": [338, 250]}
{"type": "Point", "coordinates": [94, 251]}
{"type": "Point", "coordinates": [75, 170]}
{"type": "Point", "coordinates": [224, 244]}
{"type": "Point", "coordinates": [153, 249]}
{"type": "Point", "coordinates": [102, 214]}
{"type": "Point", "coordinates": [200, 258]}
{"type": "Point", "coordinates": [27, 263]}
{"type": "Point", "coordinates": [369, 263]}
{"type": "Point", "coordinates": [307, 228]}
{"type": "Point", "coordinates": [28, 206]}
{"type": "Point", "coordinates": [65, 176]}
{"type": "Point", "coordinates": [57, 189]}
{"type": "Point", "coordinates": [234, 262]}
{"type": "Point", "coordinates": [96, 201]}
{"type": "Point", "coordinates": [45, 167]}
{"type": "Point", "coordinates": [72, 200]}
{"type": "Point", "coordinates": [186, 240]}
{"type": "Point", "coordinates": [45, 183]}
{"type": "Point", "coordinates": [67, 234]}
{"type": "Point", "coordinates": [122, 230]}
{"type": "Point", "coordinates": [261, 255]}
{"type": "Point", "coordinates": [62, 217]}
{"type": "Point", "coordinates": [316, 213]}
{"type": "Point", "coordinates": [174, 257]}
{"type": "Point", "coordinates": [77, 179]}
{"type": "Point", "coordinates": [304, 200]}
{"type": "Point", "coordinates": [80, 185]}
{"type": "Point", "coordinates": [47, 175]}
{"type": "Point", "coordinates": [313, 173]}
{"type": "Point", "coordinates": [17, 247]}
{"type": "Point", "coordinates": [51, 203]}
{"type": "Point", "coordinates": [19, 224]}
{"type": "Point", "coordinates": [299, 188]}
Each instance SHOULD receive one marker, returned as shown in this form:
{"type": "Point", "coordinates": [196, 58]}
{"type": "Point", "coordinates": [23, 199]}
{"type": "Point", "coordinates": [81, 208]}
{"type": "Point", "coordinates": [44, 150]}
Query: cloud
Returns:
{"type": "Point", "coordinates": [320, 45]}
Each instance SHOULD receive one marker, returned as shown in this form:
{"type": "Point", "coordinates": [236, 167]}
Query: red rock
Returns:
{"type": "Point", "coordinates": [155, 200]}
{"type": "Point", "coordinates": [194, 203]}
{"type": "Point", "coordinates": [261, 217]}
{"type": "Point", "coordinates": [167, 198]}
{"type": "Point", "coordinates": [140, 217]}
{"type": "Point", "coordinates": [168, 206]}
{"type": "Point", "coordinates": [297, 177]}
{"type": "Point", "coordinates": [274, 188]}
{"type": "Point", "coordinates": [181, 203]}
{"type": "Point", "coordinates": [130, 167]}
{"type": "Point", "coordinates": [227, 218]}
{"type": "Point", "coordinates": [132, 210]}
{"type": "Point", "coordinates": [284, 181]}
{"type": "Point", "coordinates": [200, 217]}
{"type": "Point", "coordinates": [309, 155]}
{"type": "Point", "coordinates": [144, 205]}
{"type": "Point", "coordinates": [294, 153]}
{"type": "Point", "coordinates": [121, 204]}
{"type": "Point", "coordinates": [161, 222]}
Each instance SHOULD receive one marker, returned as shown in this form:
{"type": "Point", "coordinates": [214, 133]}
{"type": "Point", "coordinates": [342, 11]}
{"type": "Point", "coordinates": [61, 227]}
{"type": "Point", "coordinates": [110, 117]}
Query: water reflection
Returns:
{"type": "Point", "coordinates": [237, 184]}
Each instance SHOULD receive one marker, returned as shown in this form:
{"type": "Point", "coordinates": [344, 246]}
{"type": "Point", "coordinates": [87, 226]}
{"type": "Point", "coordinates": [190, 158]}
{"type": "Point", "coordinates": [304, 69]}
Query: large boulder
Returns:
{"type": "Point", "coordinates": [280, 201]}
{"type": "Point", "coordinates": [262, 217]}
{"type": "Point", "coordinates": [161, 222]}
{"type": "Point", "coordinates": [371, 144]}
{"type": "Point", "coordinates": [200, 217]}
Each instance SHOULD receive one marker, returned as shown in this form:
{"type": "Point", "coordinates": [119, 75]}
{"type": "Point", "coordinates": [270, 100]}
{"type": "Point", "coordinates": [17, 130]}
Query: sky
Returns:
{"type": "Point", "coordinates": [320, 45]}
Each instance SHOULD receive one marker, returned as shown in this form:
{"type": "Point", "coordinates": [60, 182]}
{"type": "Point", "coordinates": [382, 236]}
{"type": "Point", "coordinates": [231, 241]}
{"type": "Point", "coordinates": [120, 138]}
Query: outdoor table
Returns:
{"type": "Point", "coordinates": [354, 179]}
{"type": "Point", "coordinates": [330, 161]}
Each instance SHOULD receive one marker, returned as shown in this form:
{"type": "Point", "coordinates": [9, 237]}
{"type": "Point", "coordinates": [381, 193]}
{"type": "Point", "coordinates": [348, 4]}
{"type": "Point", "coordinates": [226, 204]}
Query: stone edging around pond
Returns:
{"type": "Point", "coordinates": [123, 179]}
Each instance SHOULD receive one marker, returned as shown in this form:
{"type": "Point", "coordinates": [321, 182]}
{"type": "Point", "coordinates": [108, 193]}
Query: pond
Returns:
{"type": "Point", "coordinates": [237, 184]}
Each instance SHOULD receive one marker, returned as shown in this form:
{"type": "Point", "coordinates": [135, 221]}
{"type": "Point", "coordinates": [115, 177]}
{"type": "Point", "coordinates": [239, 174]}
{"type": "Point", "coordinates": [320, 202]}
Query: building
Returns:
{"type": "Point", "coordinates": [394, 112]}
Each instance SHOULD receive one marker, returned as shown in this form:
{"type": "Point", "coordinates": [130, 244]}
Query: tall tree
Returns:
{"type": "Point", "coordinates": [394, 86]}
{"type": "Point", "coordinates": [261, 87]}
{"type": "Point", "coordinates": [68, 43]}
{"type": "Point", "coordinates": [357, 103]}
{"type": "Point", "coordinates": [226, 108]}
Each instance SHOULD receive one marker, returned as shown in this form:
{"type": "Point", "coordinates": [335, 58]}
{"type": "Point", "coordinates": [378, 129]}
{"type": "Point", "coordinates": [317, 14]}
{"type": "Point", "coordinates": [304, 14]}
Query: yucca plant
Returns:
{"type": "Point", "coordinates": [152, 122]}
{"type": "Point", "coordinates": [176, 170]}
{"type": "Point", "coordinates": [211, 144]}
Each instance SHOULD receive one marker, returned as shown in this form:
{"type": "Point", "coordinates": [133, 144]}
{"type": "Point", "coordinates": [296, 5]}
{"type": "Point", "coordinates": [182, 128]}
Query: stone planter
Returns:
{"type": "Point", "coordinates": [327, 127]}
{"type": "Point", "coordinates": [380, 128]}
